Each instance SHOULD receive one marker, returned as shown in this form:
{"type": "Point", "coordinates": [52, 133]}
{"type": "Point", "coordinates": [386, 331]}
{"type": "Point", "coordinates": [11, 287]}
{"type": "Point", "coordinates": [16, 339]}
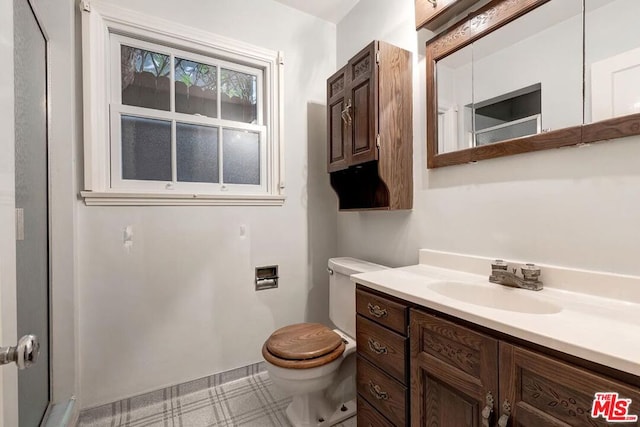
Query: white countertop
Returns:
{"type": "Point", "coordinates": [595, 328]}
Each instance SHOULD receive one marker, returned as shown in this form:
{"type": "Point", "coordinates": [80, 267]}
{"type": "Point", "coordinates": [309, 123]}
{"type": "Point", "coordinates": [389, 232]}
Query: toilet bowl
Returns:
{"type": "Point", "coordinates": [316, 364]}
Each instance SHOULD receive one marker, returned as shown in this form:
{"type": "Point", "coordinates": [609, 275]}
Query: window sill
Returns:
{"type": "Point", "coordinates": [92, 198]}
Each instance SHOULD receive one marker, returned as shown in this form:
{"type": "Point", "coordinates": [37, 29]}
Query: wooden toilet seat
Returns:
{"type": "Point", "coordinates": [303, 346]}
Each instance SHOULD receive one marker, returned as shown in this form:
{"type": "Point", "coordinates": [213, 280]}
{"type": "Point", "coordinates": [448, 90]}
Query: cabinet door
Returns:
{"type": "Point", "coordinates": [362, 105]}
{"type": "Point", "coordinates": [337, 128]}
{"type": "Point", "coordinates": [543, 391]}
{"type": "Point", "coordinates": [453, 371]}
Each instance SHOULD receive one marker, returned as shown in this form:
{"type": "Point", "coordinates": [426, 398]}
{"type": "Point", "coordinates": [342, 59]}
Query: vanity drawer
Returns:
{"type": "Point", "coordinates": [381, 391]}
{"type": "Point", "coordinates": [381, 310]}
{"type": "Point", "coordinates": [369, 417]}
{"type": "Point", "coordinates": [382, 347]}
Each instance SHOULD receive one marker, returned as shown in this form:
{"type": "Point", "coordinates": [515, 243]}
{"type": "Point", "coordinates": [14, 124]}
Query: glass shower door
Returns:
{"type": "Point", "coordinates": [31, 199]}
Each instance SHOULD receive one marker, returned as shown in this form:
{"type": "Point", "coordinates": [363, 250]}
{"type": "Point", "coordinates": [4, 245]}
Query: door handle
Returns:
{"type": "Point", "coordinates": [488, 410]}
{"type": "Point", "coordinates": [346, 116]}
{"type": "Point", "coordinates": [24, 354]}
{"type": "Point", "coordinates": [506, 413]}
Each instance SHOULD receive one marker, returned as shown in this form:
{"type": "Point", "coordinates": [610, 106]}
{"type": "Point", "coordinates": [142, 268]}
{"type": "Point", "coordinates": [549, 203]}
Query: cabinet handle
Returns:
{"type": "Point", "coordinates": [506, 413]}
{"type": "Point", "coordinates": [434, 3]}
{"type": "Point", "coordinates": [376, 347]}
{"type": "Point", "coordinates": [376, 392]}
{"type": "Point", "coordinates": [346, 116]}
{"type": "Point", "coordinates": [375, 310]}
{"type": "Point", "coordinates": [488, 410]}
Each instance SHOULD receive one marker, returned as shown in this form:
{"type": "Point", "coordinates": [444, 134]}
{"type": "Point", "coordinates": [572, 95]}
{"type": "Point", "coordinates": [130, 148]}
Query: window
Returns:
{"type": "Point", "coordinates": [175, 116]}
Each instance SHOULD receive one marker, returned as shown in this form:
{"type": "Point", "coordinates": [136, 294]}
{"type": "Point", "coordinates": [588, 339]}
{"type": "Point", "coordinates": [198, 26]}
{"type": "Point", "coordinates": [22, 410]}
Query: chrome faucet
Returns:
{"type": "Point", "coordinates": [501, 275]}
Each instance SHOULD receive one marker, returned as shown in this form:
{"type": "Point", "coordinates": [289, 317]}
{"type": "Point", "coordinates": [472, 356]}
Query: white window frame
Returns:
{"type": "Point", "coordinates": [104, 27]}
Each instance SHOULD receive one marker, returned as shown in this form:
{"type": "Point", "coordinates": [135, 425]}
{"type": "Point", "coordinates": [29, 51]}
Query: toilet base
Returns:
{"type": "Point", "coordinates": [314, 410]}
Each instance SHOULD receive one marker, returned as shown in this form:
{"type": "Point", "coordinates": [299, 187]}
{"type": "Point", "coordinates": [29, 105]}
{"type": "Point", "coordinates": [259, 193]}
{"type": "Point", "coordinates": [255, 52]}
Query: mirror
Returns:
{"type": "Point", "coordinates": [512, 78]}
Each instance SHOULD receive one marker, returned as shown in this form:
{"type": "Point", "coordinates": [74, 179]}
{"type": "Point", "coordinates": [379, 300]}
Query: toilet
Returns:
{"type": "Point", "coordinates": [316, 364]}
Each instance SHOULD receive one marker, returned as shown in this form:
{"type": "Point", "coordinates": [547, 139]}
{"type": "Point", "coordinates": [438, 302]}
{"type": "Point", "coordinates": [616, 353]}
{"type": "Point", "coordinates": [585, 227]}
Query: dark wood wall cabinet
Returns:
{"type": "Point", "coordinates": [432, 14]}
{"type": "Point", "coordinates": [370, 134]}
{"type": "Point", "coordinates": [461, 375]}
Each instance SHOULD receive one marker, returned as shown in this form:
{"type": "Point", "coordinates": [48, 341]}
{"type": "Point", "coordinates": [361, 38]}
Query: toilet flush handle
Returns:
{"type": "Point", "coordinates": [330, 271]}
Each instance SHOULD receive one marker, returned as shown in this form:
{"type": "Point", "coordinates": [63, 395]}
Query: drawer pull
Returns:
{"type": "Point", "coordinates": [376, 392]}
{"type": "Point", "coordinates": [376, 347]}
{"type": "Point", "coordinates": [376, 311]}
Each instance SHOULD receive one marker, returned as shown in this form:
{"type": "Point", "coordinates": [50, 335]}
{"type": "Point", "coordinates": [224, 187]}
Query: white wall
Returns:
{"type": "Point", "coordinates": [574, 207]}
{"type": "Point", "coordinates": [181, 303]}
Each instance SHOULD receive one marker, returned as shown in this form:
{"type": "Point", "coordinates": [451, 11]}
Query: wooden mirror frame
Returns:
{"type": "Point", "coordinates": [478, 24]}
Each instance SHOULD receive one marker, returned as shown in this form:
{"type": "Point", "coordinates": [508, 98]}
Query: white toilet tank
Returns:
{"type": "Point", "coordinates": [342, 291]}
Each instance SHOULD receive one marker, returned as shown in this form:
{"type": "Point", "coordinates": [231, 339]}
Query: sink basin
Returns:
{"type": "Point", "coordinates": [495, 296]}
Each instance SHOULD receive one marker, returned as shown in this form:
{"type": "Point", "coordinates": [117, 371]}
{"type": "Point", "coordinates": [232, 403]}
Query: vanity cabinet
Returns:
{"type": "Point", "coordinates": [461, 377]}
{"type": "Point", "coordinates": [382, 362]}
{"type": "Point", "coordinates": [455, 374]}
{"type": "Point", "coordinates": [432, 14]}
{"type": "Point", "coordinates": [369, 129]}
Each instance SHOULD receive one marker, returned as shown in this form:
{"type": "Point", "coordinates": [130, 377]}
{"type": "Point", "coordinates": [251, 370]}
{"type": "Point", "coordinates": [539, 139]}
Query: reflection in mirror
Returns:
{"type": "Point", "coordinates": [612, 59]}
{"type": "Point", "coordinates": [545, 74]}
{"type": "Point", "coordinates": [527, 76]}
{"type": "Point", "coordinates": [507, 116]}
{"type": "Point", "coordinates": [454, 93]}
{"type": "Point", "coordinates": [520, 80]}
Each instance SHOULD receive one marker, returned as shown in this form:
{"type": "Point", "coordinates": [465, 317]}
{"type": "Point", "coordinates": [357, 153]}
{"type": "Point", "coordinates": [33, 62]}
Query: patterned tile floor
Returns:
{"type": "Point", "coordinates": [250, 401]}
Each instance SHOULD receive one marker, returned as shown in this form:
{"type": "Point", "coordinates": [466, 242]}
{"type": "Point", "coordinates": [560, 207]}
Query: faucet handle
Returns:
{"type": "Point", "coordinates": [499, 265]}
{"type": "Point", "coordinates": [530, 272]}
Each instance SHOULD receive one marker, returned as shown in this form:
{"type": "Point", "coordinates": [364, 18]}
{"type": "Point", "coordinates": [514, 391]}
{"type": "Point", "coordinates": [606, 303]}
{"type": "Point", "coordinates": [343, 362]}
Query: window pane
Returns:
{"type": "Point", "coordinates": [241, 158]}
{"type": "Point", "coordinates": [145, 78]}
{"type": "Point", "coordinates": [196, 88]}
{"type": "Point", "coordinates": [197, 153]}
{"type": "Point", "coordinates": [146, 149]}
{"type": "Point", "coordinates": [239, 96]}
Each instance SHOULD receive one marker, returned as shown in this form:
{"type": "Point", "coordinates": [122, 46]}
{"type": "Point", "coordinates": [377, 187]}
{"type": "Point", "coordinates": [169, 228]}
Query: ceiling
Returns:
{"type": "Point", "coordinates": [329, 10]}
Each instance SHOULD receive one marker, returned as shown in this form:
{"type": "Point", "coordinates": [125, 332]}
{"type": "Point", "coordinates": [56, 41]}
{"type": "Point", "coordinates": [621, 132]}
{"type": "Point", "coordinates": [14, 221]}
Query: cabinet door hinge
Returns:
{"type": "Point", "coordinates": [378, 140]}
{"type": "Point", "coordinates": [377, 56]}
{"type": "Point", "coordinates": [19, 224]}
